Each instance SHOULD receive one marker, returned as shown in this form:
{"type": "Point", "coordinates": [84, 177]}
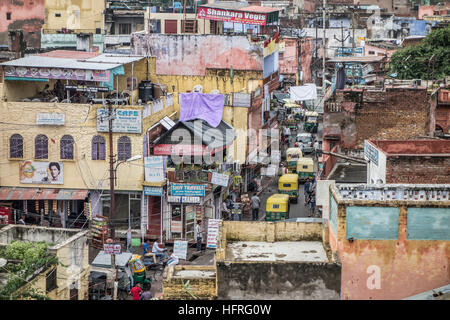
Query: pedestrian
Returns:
{"type": "Point", "coordinates": [255, 206]}
{"type": "Point", "coordinates": [136, 291]}
{"type": "Point", "coordinates": [316, 149]}
{"type": "Point", "coordinates": [225, 210]}
{"type": "Point", "coordinates": [146, 295]}
{"type": "Point", "coordinates": [198, 232]}
{"type": "Point", "coordinates": [312, 203]}
{"type": "Point", "coordinates": [129, 241]}
{"type": "Point", "coordinates": [173, 259]}
{"type": "Point", "coordinates": [21, 220]}
{"type": "Point", "coordinates": [306, 189]}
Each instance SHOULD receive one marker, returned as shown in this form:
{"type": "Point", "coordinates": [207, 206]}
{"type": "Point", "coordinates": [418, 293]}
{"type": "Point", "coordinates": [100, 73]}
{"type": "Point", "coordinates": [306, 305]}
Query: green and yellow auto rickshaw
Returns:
{"type": "Point", "coordinates": [288, 184]}
{"type": "Point", "coordinates": [292, 155]}
{"type": "Point", "coordinates": [305, 168]}
{"type": "Point", "coordinates": [138, 269]}
{"type": "Point", "coordinates": [311, 124]}
{"type": "Point", "coordinates": [277, 207]}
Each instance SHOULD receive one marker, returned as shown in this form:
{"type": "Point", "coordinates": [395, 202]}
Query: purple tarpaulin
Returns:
{"type": "Point", "coordinates": [208, 107]}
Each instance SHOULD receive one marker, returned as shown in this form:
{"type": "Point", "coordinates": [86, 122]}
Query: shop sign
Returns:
{"type": "Point", "coordinates": [197, 190]}
{"type": "Point", "coordinates": [176, 226]}
{"type": "Point", "coordinates": [370, 152]}
{"type": "Point", "coordinates": [241, 99]}
{"type": "Point", "coordinates": [111, 248]}
{"type": "Point", "coordinates": [154, 168]}
{"type": "Point", "coordinates": [153, 191]}
{"type": "Point", "coordinates": [57, 73]}
{"type": "Point", "coordinates": [213, 233]}
{"type": "Point", "coordinates": [220, 179]}
{"type": "Point", "coordinates": [42, 172]}
{"type": "Point", "coordinates": [125, 121]}
{"type": "Point", "coordinates": [86, 89]}
{"type": "Point", "coordinates": [231, 16]}
{"type": "Point", "coordinates": [183, 199]}
{"type": "Point", "coordinates": [180, 249]}
{"type": "Point", "coordinates": [270, 171]}
{"type": "Point", "coordinates": [50, 119]}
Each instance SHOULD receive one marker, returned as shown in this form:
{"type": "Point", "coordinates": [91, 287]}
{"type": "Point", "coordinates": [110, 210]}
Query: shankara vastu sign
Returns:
{"type": "Point", "coordinates": [232, 16]}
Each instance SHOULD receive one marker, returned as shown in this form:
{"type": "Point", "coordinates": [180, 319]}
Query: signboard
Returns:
{"type": "Point", "coordinates": [154, 168]}
{"type": "Point", "coordinates": [180, 249]}
{"type": "Point", "coordinates": [41, 172]}
{"type": "Point", "coordinates": [231, 16]}
{"type": "Point", "coordinates": [176, 226]}
{"type": "Point", "coordinates": [178, 189]}
{"type": "Point", "coordinates": [50, 119]}
{"type": "Point", "coordinates": [220, 179]}
{"type": "Point", "coordinates": [86, 89]}
{"type": "Point", "coordinates": [370, 152]}
{"type": "Point", "coordinates": [183, 199]}
{"type": "Point", "coordinates": [350, 50]}
{"type": "Point", "coordinates": [213, 233]}
{"type": "Point", "coordinates": [111, 248]}
{"type": "Point", "coordinates": [242, 99]}
{"type": "Point", "coordinates": [125, 121]}
{"type": "Point", "coordinates": [153, 191]}
{"type": "Point", "coordinates": [269, 171]}
{"type": "Point", "coordinates": [57, 73]}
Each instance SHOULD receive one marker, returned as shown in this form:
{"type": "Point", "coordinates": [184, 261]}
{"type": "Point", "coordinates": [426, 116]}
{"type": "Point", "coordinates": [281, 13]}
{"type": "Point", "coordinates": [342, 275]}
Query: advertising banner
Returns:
{"type": "Point", "coordinates": [126, 121]}
{"type": "Point", "coordinates": [41, 172]}
{"type": "Point", "coordinates": [197, 190]}
{"type": "Point", "coordinates": [220, 179]}
{"type": "Point", "coordinates": [154, 168]}
{"type": "Point", "coordinates": [180, 249]}
{"type": "Point", "coordinates": [231, 16]}
{"type": "Point", "coordinates": [213, 232]}
{"type": "Point", "coordinates": [57, 73]}
{"type": "Point", "coordinates": [50, 119]}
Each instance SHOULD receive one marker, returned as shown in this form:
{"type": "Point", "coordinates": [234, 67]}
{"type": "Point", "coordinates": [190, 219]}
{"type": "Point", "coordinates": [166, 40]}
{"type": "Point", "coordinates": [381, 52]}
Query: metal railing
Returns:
{"type": "Point", "coordinates": [73, 31]}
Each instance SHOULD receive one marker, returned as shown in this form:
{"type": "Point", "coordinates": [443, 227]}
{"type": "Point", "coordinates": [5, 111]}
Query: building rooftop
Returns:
{"type": "Point", "coordinates": [413, 147]}
{"type": "Point", "coordinates": [282, 251]}
{"type": "Point", "coordinates": [349, 173]}
{"type": "Point", "coordinates": [239, 6]}
{"type": "Point", "coordinates": [69, 54]}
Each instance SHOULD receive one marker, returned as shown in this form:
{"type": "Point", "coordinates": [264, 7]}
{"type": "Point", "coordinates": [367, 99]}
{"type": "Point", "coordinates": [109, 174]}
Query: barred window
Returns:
{"type": "Point", "coordinates": [41, 147]}
{"type": "Point", "coordinates": [98, 148]}
{"type": "Point", "coordinates": [66, 146]}
{"type": "Point", "coordinates": [124, 148]}
{"type": "Point", "coordinates": [16, 146]}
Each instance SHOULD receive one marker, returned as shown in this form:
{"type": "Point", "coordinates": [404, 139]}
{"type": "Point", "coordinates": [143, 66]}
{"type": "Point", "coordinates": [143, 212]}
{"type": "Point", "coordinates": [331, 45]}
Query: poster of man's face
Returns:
{"type": "Point", "coordinates": [41, 172]}
{"type": "Point", "coordinates": [53, 172]}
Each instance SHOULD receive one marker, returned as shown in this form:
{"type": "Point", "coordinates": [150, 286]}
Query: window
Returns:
{"type": "Point", "coordinates": [16, 146]}
{"type": "Point", "coordinates": [50, 281]}
{"type": "Point", "coordinates": [41, 147]}
{"type": "Point", "coordinates": [124, 148]}
{"type": "Point", "coordinates": [58, 15]}
{"type": "Point", "coordinates": [98, 148]}
{"type": "Point", "coordinates": [371, 52]}
{"type": "Point", "coordinates": [275, 206]}
{"type": "Point", "coordinates": [66, 146]}
{"type": "Point", "coordinates": [125, 28]}
{"type": "Point", "coordinates": [8, 16]}
{"type": "Point", "coordinates": [286, 185]}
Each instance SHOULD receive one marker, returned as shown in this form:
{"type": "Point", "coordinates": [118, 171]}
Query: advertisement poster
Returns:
{"type": "Point", "coordinates": [57, 73]}
{"type": "Point", "coordinates": [41, 172]}
{"type": "Point", "coordinates": [154, 168]}
{"type": "Point", "coordinates": [213, 232]}
{"type": "Point", "coordinates": [180, 249]}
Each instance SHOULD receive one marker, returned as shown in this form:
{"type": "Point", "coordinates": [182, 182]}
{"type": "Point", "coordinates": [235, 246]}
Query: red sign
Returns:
{"type": "Point", "coordinates": [183, 149]}
{"type": "Point", "coordinates": [232, 16]}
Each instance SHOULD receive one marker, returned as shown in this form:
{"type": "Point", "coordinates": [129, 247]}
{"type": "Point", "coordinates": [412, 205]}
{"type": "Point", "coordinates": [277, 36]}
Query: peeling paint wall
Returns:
{"type": "Point", "coordinates": [288, 60]}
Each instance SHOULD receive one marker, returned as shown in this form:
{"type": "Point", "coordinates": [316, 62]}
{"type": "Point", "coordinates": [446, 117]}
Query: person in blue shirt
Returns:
{"type": "Point", "coordinates": [307, 187]}
{"type": "Point", "coordinates": [147, 247]}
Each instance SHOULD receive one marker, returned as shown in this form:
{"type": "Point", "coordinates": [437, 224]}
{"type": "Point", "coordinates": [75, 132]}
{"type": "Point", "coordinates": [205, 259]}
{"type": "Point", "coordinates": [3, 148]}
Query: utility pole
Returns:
{"type": "Point", "coordinates": [323, 46]}
{"type": "Point", "coordinates": [111, 173]}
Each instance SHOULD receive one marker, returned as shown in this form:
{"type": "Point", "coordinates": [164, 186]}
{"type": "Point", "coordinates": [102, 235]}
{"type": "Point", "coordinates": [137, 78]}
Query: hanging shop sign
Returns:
{"type": "Point", "coordinates": [183, 199]}
{"type": "Point", "coordinates": [213, 233]}
{"type": "Point", "coordinates": [197, 190]}
{"type": "Point", "coordinates": [57, 73]}
{"type": "Point", "coordinates": [220, 179]}
{"type": "Point", "coordinates": [231, 16]}
{"type": "Point", "coordinates": [370, 152]}
{"type": "Point", "coordinates": [180, 249]}
{"type": "Point", "coordinates": [50, 119]}
{"type": "Point", "coordinates": [154, 168]}
{"type": "Point", "coordinates": [153, 191]}
{"type": "Point", "coordinates": [125, 121]}
{"type": "Point", "coordinates": [86, 89]}
{"type": "Point", "coordinates": [42, 172]}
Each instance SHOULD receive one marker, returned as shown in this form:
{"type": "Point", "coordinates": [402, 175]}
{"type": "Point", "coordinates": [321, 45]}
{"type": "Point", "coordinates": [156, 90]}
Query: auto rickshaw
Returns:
{"type": "Point", "coordinates": [297, 112]}
{"type": "Point", "coordinates": [290, 122]}
{"type": "Point", "coordinates": [277, 207]}
{"type": "Point", "coordinates": [305, 169]}
{"type": "Point", "coordinates": [311, 122]}
{"type": "Point", "coordinates": [288, 184]}
{"type": "Point", "coordinates": [138, 269]}
{"type": "Point", "coordinates": [292, 155]}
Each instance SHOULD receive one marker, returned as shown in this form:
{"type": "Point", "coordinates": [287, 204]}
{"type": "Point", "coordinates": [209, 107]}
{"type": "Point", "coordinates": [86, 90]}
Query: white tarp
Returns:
{"type": "Point", "coordinates": [302, 93]}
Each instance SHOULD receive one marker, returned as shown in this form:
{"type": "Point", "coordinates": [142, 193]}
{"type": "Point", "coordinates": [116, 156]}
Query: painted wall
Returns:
{"type": "Point", "coordinates": [25, 15]}
{"type": "Point", "coordinates": [288, 60]}
{"type": "Point", "coordinates": [203, 25]}
{"type": "Point", "coordinates": [376, 51]}
{"type": "Point", "coordinates": [57, 40]}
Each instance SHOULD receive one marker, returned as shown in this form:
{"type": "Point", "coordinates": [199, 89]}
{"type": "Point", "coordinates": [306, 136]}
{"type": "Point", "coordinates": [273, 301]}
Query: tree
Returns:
{"type": "Point", "coordinates": [428, 60]}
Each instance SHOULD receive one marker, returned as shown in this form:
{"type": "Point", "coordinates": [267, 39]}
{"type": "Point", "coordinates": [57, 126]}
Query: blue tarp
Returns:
{"type": "Point", "coordinates": [119, 71]}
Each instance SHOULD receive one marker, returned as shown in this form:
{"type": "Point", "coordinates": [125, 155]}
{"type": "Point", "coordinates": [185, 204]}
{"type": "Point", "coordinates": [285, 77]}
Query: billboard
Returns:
{"type": "Point", "coordinates": [125, 121]}
{"type": "Point", "coordinates": [41, 172]}
{"type": "Point", "coordinates": [231, 16]}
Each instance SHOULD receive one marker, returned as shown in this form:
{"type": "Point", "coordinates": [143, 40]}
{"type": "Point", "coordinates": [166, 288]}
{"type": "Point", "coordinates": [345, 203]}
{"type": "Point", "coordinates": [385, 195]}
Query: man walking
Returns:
{"type": "Point", "coordinates": [306, 189]}
{"type": "Point", "coordinates": [255, 207]}
{"type": "Point", "coordinates": [198, 232]}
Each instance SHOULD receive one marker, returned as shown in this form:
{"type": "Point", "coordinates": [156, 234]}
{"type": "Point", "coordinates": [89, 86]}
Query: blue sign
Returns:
{"type": "Point", "coordinates": [197, 190]}
{"type": "Point", "coordinates": [153, 191]}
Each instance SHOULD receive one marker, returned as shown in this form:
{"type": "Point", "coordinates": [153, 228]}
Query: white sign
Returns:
{"type": "Point", "coordinates": [154, 169]}
{"type": "Point", "coordinates": [125, 121]}
{"type": "Point", "coordinates": [183, 199]}
{"type": "Point", "coordinates": [269, 171]}
{"type": "Point", "coordinates": [50, 119]}
{"type": "Point", "coordinates": [275, 156]}
{"type": "Point", "coordinates": [220, 179]}
{"type": "Point", "coordinates": [213, 232]}
{"type": "Point", "coordinates": [180, 249]}
{"type": "Point", "coordinates": [169, 100]}
{"type": "Point", "coordinates": [111, 248]}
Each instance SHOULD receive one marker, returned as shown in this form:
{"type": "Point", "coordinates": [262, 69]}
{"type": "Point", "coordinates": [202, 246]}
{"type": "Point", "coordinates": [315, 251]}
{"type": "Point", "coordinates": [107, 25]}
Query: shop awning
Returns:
{"type": "Point", "coordinates": [8, 193]}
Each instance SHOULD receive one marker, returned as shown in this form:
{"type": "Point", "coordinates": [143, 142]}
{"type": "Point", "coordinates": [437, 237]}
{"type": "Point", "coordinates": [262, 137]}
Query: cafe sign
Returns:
{"type": "Point", "coordinates": [231, 16]}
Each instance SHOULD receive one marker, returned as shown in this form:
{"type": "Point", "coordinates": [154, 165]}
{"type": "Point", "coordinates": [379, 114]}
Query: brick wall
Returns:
{"type": "Point", "coordinates": [435, 170]}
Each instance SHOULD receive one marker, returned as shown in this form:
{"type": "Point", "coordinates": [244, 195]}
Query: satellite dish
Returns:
{"type": "Point", "coordinates": [215, 91]}
{"type": "Point", "coordinates": [198, 88]}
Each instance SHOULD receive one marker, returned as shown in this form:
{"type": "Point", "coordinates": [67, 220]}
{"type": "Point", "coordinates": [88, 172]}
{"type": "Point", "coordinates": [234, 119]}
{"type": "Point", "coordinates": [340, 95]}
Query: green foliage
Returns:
{"type": "Point", "coordinates": [428, 60]}
{"type": "Point", "coordinates": [27, 257]}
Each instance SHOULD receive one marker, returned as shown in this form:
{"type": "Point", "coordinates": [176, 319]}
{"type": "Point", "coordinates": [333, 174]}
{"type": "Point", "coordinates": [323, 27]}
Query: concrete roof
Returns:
{"type": "Point", "coordinates": [115, 58]}
{"type": "Point", "coordinates": [413, 147]}
{"type": "Point", "coordinates": [283, 251]}
{"type": "Point", "coordinates": [349, 173]}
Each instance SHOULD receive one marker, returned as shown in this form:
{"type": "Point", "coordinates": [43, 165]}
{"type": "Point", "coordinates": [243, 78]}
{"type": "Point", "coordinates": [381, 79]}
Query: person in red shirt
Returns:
{"type": "Point", "coordinates": [136, 291]}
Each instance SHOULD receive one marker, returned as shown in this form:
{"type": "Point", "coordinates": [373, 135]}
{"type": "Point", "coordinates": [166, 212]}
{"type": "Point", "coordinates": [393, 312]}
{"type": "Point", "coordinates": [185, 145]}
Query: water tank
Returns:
{"type": "Point", "coordinates": [145, 90]}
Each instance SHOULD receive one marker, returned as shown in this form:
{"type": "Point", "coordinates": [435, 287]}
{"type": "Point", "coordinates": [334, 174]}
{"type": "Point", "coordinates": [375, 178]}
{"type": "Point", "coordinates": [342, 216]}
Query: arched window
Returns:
{"type": "Point", "coordinates": [41, 147]}
{"type": "Point", "coordinates": [98, 148]}
{"type": "Point", "coordinates": [16, 146]}
{"type": "Point", "coordinates": [124, 148]}
{"type": "Point", "coordinates": [66, 147]}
